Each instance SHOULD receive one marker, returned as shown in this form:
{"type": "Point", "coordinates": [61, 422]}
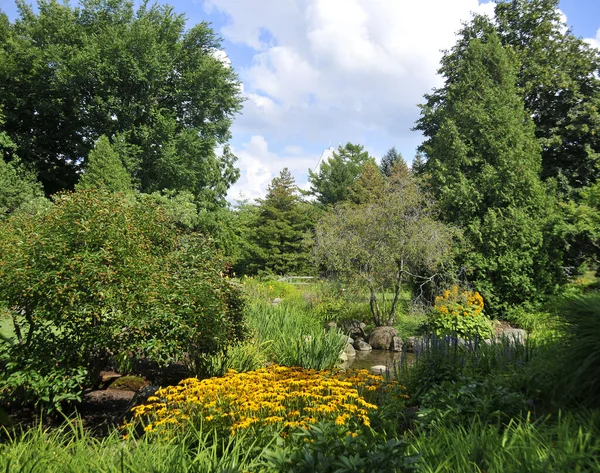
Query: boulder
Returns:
{"type": "Point", "coordinates": [277, 301]}
{"type": "Point", "coordinates": [382, 338]}
{"type": "Point", "coordinates": [362, 346]}
{"type": "Point", "coordinates": [353, 328]}
{"type": "Point", "coordinates": [514, 334]}
{"type": "Point", "coordinates": [410, 343]}
{"type": "Point", "coordinates": [330, 326]}
{"type": "Point", "coordinates": [349, 350]}
{"type": "Point", "coordinates": [396, 344]}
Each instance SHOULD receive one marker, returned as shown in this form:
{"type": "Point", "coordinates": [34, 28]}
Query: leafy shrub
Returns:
{"type": "Point", "coordinates": [460, 313]}
{"type": "Point", "coordinates": [459, 402]}
{"type": "Point", "coordinates": [101, 274]}
{"type": "Point", "coordinates": [274, 397]}
{"type": "Point", "coordinates": [328, 448]}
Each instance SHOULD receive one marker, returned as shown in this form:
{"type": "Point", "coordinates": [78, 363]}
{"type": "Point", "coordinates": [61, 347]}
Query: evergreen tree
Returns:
{"type": "Point", "coordinates": [331, 184]}
{"type": "Point", "coordinates": [369, 186]}
{"type": "Point", "coordinates": [390, 158]}
{"type": "Point", "coordinates": [281, 224]}
{"type": "Point", "coordinates": [483, 166]}
{"type": "Point", "coordinates": [105, 169]}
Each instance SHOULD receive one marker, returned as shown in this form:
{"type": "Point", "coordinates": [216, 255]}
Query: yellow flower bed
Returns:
{"type": "Point", "coordinates": [287, 398]}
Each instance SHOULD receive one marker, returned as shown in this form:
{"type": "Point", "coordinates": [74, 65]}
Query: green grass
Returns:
{"type": "Point", "coordinates": [71, 449]}
{"type": "Point", "coordinates": [568, 443]}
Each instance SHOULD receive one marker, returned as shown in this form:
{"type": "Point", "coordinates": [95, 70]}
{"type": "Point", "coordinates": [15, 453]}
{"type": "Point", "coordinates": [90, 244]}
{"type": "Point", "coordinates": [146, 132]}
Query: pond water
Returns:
{"type": "Point", "coordinates": [366, 359]}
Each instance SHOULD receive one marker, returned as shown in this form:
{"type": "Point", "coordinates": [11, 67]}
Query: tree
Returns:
{"type": "Point", "coordinates": [483, 166]}
{"type": "Point", "coordinates": [384, 243]}
{"type": "Point", "coordinates": [282, 220]}
{"type": "Point", "coordinates": [390, 158]}
{"type": "Point", "coordinates": [369, 185]}
{"type": "Point", "coordinates": [103, 274]}
{"type": "Point", "coordinates": [331, 184]}
{"type": "Point", "coordinates": [105, 169]}
{"type": "Point", "coordinates": [72, 74]}
{"type": "Point", "coordinates": [558, 82]}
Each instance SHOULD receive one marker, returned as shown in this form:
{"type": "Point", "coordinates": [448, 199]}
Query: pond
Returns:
{"type": "Point", "coordinates": [367, 359]}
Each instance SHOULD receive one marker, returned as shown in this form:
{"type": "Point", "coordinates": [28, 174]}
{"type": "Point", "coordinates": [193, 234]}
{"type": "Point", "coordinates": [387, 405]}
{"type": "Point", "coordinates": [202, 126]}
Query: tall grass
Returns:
{"type": "Point", "coordinates": [71, 449]}
{"type": "Point", "coordinates": [580, 355]}
{"type": "Point", "coordinates": [569, 443]}
{"type": "Point", "coordinates": [294, 336]}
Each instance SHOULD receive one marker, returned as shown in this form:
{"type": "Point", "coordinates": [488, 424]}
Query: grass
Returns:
{"type": "Point", "coordinates": [569, 442]}
{"type": "Point", "coordinates": [72, 449]}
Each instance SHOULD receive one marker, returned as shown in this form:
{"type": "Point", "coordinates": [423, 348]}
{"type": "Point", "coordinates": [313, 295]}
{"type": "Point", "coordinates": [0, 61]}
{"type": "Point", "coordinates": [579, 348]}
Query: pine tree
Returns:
{"type": "Point", "coordinates": [483, 166]}
{"type": "Point", "coordinates": [390, 158]}
{"type": "Point", "coordinates": [282, 222]}
{"type": "Point", "coordinates": [105, 169]}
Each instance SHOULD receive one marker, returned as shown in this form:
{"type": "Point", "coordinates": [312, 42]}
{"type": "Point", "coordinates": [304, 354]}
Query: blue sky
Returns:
{"type": "Point", "coordinates": [319, 73]}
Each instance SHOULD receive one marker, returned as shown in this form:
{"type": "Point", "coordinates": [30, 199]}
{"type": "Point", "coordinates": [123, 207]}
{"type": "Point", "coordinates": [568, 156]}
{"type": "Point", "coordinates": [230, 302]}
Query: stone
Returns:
{"type": "Point", "coordinates": [410, 343]}
{"type": "Point", "coordinates": [353, 328]}
{"type": "Point", "coordinates": [382, 338]}
{"type": "Point", "coordinates": [362, 346]}
{"type": "Point", "coordinates": [344, 356]}
{"type": "Point", "coordinates": [378, 369]}
{"type": "Point", "coordinates": [396, 344]}
{"type": "Point", "coordinates": [349, 350]}
{"type": "Point", "coordinates": [514, 334]}
{"type": "Point", "coordinates": [277, 301]}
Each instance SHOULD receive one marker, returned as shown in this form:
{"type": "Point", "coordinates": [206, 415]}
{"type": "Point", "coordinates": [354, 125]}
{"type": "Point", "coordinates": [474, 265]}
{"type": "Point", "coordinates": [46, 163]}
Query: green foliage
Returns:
{"type": "Point", "coordinates": [483, 167]}
{"type": "Point", "coordinates": [17, 187]}
{"type": "Point", "coordinates": [71, 448]}
{"type": "Point", "coordinates": [458, 402]}
{"type": "Point", "coordinates": [104, 273]}
{"type": "Point", "coordinates": [384, 243]}
{"type": "Point", "coordinates": [569, 443]}
{"type": "Point", "coordinates": [389, 160]}
{"type": "Point", "coordinates": [331, 184]}
{"type": "Point", "coordinates": [105, 169]}
{"type": "Point", "coordinates": [279, 231]}
{"type": "Point", "coordinates": [293, 336]}
{"type": "Point", "coordinates": [580, 355]}
{"type": "Point", "coordinates": [325, 448]}
{"type": "Point", "coordinates": [460, 314]}
{"type": "Point", "coordinates": [241, 357]}
{"type": "Point", "coordinates": [72, 74]}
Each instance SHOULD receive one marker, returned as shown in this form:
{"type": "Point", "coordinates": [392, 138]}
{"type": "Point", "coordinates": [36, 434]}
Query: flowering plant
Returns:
{"type": "Point", "coordinates": [460, 313]}
{"type": "Point", "coordinates": [281, 397]}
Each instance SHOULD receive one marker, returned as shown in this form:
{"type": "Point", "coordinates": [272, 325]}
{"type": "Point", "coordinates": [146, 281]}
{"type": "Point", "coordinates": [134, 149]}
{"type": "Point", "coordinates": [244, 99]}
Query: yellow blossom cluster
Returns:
{"type": "Point", "coordinates": [454, 303]}
{"type": "Point", "coordinates": [286, 398]}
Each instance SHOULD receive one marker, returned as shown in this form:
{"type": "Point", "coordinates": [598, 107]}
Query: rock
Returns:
{"type": "Point", "coordinates": [410, 343]}
{"type": "Point", "coordinates": [108, 377]}
{"type": "Point", "coordinates": [514, 334]}
{"type": "Point", "coordinates": [344, 356]}
{"type": "Point", "coordinates": [349, 350]}
{"type": "Point", "coordinates": [396, 344]}
{"type": "Point", "coordinates": [378, 369]}
{"type": "Point", "coordinates": [349, 341]}
{"type": "Point", "coordinates": [353, 328]}
{"type": "Point", "coordinates": [382, 338]}
{"type": "Point", "coordinates": [362, 346]}
{"type": "Point", "coordinates": [277, 301]}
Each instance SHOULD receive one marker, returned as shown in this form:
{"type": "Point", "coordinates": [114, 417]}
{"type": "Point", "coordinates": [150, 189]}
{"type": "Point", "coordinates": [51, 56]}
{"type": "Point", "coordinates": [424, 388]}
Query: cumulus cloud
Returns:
{"type": "Point", "coordinates": [594, 42]}
{"type": "Point", "coordinates": [327, 71]}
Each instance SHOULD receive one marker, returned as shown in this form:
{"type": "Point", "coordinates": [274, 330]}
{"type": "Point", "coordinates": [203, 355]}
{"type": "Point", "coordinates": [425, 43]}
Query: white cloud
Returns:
{"type": "Point", "coordinates": [328, 71]}
{"type": "Point", "coordinates": [594, 42]}
{"type": "Point", "coordinates": [259, 166]}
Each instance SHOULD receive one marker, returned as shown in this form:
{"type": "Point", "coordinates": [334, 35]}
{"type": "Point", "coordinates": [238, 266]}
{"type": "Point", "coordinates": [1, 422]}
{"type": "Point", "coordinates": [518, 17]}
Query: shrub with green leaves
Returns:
{"type": "Point", "coordinates": [460, 313]}
{"type": "Point", "coordinates": [101, 274]}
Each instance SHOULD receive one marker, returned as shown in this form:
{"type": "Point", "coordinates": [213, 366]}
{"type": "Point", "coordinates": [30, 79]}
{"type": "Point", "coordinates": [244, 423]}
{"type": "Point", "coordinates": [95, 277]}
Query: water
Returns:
{"type": "Point", "coordinates": [367, 359]}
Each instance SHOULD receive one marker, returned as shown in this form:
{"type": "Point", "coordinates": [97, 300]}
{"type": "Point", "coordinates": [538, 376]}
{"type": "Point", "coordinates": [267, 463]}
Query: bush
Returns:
{"type": "Point", "coordinates": [327, 448]}
{"type": "Point", "coordinates": [460, 313]}
{"type": "Point", "coordinates": [101, 274]}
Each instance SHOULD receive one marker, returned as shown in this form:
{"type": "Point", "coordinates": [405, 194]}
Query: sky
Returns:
{"type": "Point", "coordinates": [320, 73]}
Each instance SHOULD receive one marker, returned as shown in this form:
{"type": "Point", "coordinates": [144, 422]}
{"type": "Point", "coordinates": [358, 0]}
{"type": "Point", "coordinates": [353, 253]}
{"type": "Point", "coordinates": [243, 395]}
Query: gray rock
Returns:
{"type": "Point", "coordinates": [344, 356]}
{"type": "Point", "coordinates": [515, 334]}
{"type": "Point", "coordinates": [410, 342]}
{"type": "Point", "coordinates": [277, 301]}
{"type": "Point", "coordinates": [378, 369]}
{"type": "Point", "coordinates": [362, 346]}
{"type": "Point", "coordinates": [396, 344]}
{"type": "Point", "coordinates": [382, 338]}
{"type": "Point", "coordinates": [349, 350]}
{"type": "Point", "coordinates": [353, 328]}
